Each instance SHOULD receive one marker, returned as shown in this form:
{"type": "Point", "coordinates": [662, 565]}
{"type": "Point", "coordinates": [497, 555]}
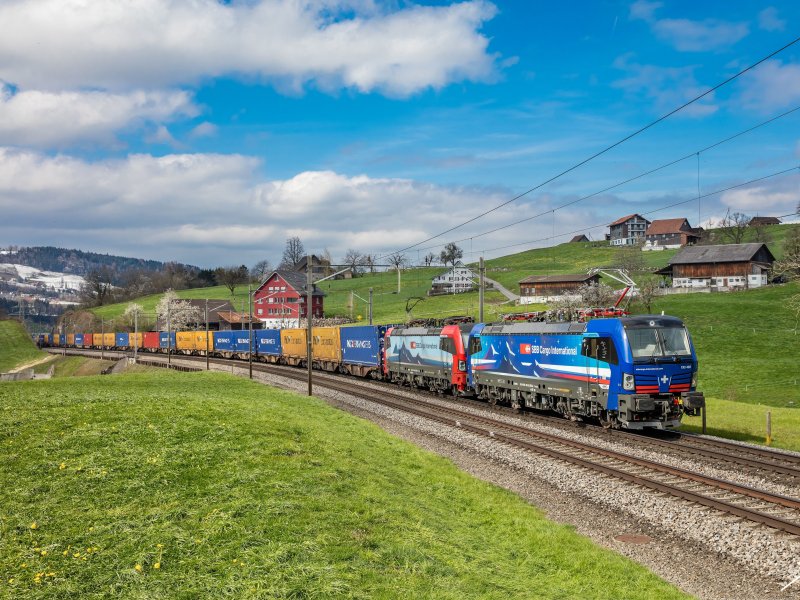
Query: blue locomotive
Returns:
{"type": "Point", "coordinates": [628, 372]}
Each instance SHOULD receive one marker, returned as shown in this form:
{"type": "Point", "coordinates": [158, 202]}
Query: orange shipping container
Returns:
{"type": "Point", "coordinates": [109, 340]}
{"type": "Point", "coordinates": [200, 341]}
{"type": "Point", "coordinates": [70, 339]}
{"type": "Point", "coordinates": [184, 340]}
{"type": "Point", "coordinates": [135, 340]}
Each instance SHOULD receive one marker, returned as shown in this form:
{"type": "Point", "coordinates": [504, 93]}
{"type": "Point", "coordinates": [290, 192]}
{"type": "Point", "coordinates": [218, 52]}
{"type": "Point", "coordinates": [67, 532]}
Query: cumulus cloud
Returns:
{"type": "Point", "coordinates": [45, 119]}
{"type": "Point", "coordinates": [667, 87]}
{"type": "Point", "coordinates": [74, 44]}
{"type": "Point", "coordinates": [200, 208]}
{"type": "Point", "coordinates": [772, 85]}
{"type": "Point", "coordinates": [204, 129]}
{"type": "Point", "coordinates": [687, 35]}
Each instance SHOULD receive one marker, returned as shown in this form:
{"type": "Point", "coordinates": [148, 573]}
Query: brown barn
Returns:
{"type": "Point", "coordinates": [579, 238]}
{"type": "Point", "coordinates": [543, 286]}
{"type": "Point", "coordinates": [726, 266]}
{"type": "Point", "coordinates": [756, 221]}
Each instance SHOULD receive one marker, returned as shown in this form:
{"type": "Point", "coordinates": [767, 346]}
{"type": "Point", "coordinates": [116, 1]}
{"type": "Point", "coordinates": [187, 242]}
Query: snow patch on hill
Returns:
{"type": "Point", "coordinates": [26, 275]}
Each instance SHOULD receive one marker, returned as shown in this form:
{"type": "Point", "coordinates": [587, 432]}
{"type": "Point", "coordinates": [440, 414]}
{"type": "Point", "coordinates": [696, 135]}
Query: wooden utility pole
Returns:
{"type": "Point", "coordinates": [309, 300]}
{"type": "Point", "coordinates": [481, 286]}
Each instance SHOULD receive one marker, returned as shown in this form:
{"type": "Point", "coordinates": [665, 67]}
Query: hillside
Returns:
{"type": "Point", "coordinates": [204, 486]}
{"type": "Point", "coordinates": [77, 262]}
{"type": "Point", "coordinates": [16, 347]}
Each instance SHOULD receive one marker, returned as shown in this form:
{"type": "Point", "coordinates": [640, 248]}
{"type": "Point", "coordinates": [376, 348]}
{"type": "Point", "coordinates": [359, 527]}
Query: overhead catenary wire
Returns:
{"type": "Point", "coordinates": [693, 154]}
{"type": "Point", "coordinates": [606, 149]}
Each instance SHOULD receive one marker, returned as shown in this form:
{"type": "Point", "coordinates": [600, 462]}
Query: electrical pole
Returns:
{"type": "Point", "coordinates": [169, 337]}
{"type": "Point", "coordinates": [135, 334]}
{"type": "Point", "coordinates": [250, 332]}
{"type": "Point", "coordinates": [207, 334]}
{"type": "Point", "coordinates": [398, 279]}
{"type": "Point", "coordinates": [370, 306]}
{"type": "Point", "coordinates": [309, 299]}
{"type": "Point", "coordinates": [481, 285]}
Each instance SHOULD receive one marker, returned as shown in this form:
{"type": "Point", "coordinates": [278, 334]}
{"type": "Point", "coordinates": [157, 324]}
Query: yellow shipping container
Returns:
{"type": "Point", "coordinates": [109, 340]}
{"type": "Point", "coordinates": [293, 343]}
{"type": "Point", "coordinates": [325, 344]}
{"type": "Point", "coordinates": [135, 340]}
{"type": "Point", "coordinates": [200, 341]}
{"type": "Point", "coordinates": [70, 339]}
{"type": "Point", "coordinates": [184, 340]}
{"type": "Point", "coordinates": [97, 339]}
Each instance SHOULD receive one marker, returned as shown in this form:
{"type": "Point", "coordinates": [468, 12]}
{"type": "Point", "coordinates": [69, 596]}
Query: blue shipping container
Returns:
{"type": "Point", "coordinates": [62, 339]}
{"type": "Point", "coordinates": [268, 341]}
{"type": "Point", "coordinates": [231, 341]}
{"type": "Point", "coordinates": [79, 339]}
{"type": "Point", "coordinates": [362, 345]}
{"type": "Point", "coordinates": [122, 340]}
{"type": "Point", "coordinates": [162, 339]}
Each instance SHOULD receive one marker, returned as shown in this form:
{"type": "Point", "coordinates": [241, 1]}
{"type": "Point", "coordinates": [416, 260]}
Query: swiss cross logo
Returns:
{"type": "Point", "coordinates": [413, 345]}
{"type": "Point", "coordinates": [525, 349]}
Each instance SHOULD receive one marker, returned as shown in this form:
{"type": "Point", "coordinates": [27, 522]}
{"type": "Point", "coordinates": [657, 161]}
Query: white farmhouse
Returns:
{"type": "Point", "coordinates": [457, 280]}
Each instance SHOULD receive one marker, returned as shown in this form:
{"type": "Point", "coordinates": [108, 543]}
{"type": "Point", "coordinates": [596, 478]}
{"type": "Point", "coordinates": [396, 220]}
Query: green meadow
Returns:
{"type": "Point", "coordinates": [172, 485]}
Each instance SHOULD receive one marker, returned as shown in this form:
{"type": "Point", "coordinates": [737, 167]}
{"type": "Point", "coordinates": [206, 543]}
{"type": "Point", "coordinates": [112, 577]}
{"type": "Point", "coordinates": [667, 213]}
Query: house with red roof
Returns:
{"type": "Point", "coordinates": [670, 233]}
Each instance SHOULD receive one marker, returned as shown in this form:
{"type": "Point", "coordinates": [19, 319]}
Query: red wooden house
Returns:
{"type": "Point", "coordinates": [282, 298]}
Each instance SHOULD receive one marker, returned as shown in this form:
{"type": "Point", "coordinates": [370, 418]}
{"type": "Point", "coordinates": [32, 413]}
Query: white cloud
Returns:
{"type": "Point", "coordinates": [204, 129]}
{"type": "Point", "coordinates": [778, 197]}
{"type": "Point", "coordinates": [667, 87]}
{"type": "Point", "coordinates": [75, 44]}
{"type": "Point", "coordinates": [700, 36]}
{"type": "Point", "coordinates": [772, 85]}
{"type": "Point", "coordinates": [768, 20]}
{"type": "Point", "coordinates": [46, 119]}
{"type": "Point", "coordinates": [688, 35]}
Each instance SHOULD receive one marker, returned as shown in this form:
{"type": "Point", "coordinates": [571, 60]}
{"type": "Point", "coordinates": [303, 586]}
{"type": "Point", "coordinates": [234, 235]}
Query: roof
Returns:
{"type": "Point", "coordinates": [295, 279]}
{"type": "Point", "coordinates": [583, 277]}
{"type": "Point", "coordinates": [660, 226]}
{"type": "Point", "coordinates": [234, 317]}
{"type": "Point", "coordinates": [215, 305]}
{"type": "Point", "coordinates": [719, 254]}
{"type": "Point", "coordinates": [579, 238]}
{"type": "Point", "coordinates": [626, 218]}
{"type": "Point", "coordinates": [765, 221]}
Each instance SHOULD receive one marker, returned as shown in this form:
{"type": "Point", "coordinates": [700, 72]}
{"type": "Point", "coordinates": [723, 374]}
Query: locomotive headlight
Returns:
{"type": "Point", "coordinates": [462, 365]}
{"type": "Point", "coordinates": [628, 382]}
{"type": "Point", "coordinates": [694, 380]}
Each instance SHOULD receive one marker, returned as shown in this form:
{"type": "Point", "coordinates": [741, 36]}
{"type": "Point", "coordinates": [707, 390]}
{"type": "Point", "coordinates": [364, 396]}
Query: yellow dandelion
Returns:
{"type": "Point", "coordinates": [159, 545]}
{"type": "Point", "coordinates": [83, 558]}
{"type": "Point", "coordinates": [76, 555]}
{"type": "Point", "coordinates": [62, 466]}
{"type": "Point", "coordinates": [64, 553]}
{"type": "Point", "coordinates": [157, 565]}
{"type": "Point", "coordinates": [138, 568]}
{"type": "Point", "coordinates": [24, 565]}
{"type": "Point", "coordinates": [11, 580]}
{"type": "Point", "coordinates": [91, 528]}
{"type": "Point", "coordinates": [43, 552]}
{"type": "Point", "coordinates": [34, 525]}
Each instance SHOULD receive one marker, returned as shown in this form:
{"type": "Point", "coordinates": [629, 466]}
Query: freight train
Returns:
{"type": "Point", "coordinates": [631, 372]}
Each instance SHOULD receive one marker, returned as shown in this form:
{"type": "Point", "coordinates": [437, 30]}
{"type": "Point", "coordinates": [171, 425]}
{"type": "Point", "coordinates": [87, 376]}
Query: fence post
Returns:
{"type": "Point", "coordinates": [769, 428]}
{"type": "Point", "coordinates": [703, 413]}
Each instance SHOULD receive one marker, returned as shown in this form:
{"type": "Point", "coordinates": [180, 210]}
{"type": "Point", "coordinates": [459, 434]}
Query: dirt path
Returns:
{"type": "Point", "coordinates": [32, 363]}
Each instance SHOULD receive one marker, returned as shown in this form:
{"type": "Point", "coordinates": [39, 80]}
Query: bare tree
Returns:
{"type": "Point", "coordinates": [292, 253]}
{"type": "Point", "coordinates": [398, 260]}
{"type": "Point", "coordinates": [761, 233]}
{"type": "Point", "coordinates": [354, 260]}
{"type": "Point", "coordinates": [429, 259]}
{"type": "Point", "coordinates": [260, 270]}
{"type": "Point", "coordinates": [369, 262]}
{"type": "Point", "coordinates": [327, 260]}
{"type": "Point", "coordinates": [789, 265]}
{"type": "Point", "coordinates": [451, 254]}
{"type": "Point", "coordinates": [97, 289]}
{"type": "Point", "coordinates": [180, 313]}
{"type": "Point", "coordinates": [230, 277]}
{"type": "Point", "coordinates": [630, 258]}
{"type": "Point", "coordinates": [647, 291]}
{"type": "Point", "coordinates": [733, 227]}
{"type": "Point", "coordinates": [596, 294]}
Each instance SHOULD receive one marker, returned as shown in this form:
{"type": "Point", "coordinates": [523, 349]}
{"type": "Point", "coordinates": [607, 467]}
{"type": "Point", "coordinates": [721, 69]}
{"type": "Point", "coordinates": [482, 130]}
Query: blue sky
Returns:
{"type": "Point", "coordinates": [210, 132]}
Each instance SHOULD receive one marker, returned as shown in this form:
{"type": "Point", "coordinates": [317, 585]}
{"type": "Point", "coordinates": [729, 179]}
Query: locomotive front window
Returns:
{"type": "Point", "coordinates": [657, 342]}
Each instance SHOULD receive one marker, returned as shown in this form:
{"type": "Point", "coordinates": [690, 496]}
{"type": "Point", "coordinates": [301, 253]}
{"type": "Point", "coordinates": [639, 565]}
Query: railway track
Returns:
{"type": "Point", "coordinates": [758, 506]}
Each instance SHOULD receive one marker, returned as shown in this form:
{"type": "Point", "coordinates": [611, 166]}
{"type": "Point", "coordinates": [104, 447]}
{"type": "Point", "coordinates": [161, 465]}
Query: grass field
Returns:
{"type": "Point", "coordinates": [176, 485]}
{"type": "Point", "coordinates": [16, 346]}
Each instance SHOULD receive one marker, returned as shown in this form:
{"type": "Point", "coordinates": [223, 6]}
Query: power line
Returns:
{"type": "Point", "coordinates": [630, 179]}
{"type": "Point", "coordinates": [693, 199]}
{"type": "Point", "coordinates": [606, 149]}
